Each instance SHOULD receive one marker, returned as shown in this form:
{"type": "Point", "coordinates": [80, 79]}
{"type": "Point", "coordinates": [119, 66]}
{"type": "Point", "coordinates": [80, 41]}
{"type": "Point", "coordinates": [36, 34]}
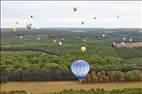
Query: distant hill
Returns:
{"type": "Point", "coordinates": [82, 29]}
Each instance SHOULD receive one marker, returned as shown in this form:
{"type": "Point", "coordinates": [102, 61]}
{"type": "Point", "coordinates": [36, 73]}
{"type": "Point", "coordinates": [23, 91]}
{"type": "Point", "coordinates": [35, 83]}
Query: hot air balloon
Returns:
{"type": "Point", "coordinates": [14, 29]}
{"type": "Point", "coordinates": [62, 40]}
{"type": "Point", "coordinates": [103, 35]}
{"type": "Point", "coordinates": [75, 9]}
{"type": "Point", "coordinates": [60, 43]}
{"type": "Point", "coordinates": [124, 39]}
{"type": "Point", "coordinates": [94, 18]}
{"type": "Point", "coordinates": [113, 44]}
{"type": "Point", "coordinates": [83, 40]}
{"type": "Point", "coordinates": [82, 22]}
{"type": "Point", "coordinates": [17, 22]}
{"type": "Point", "coordinates": [21, 37]}
{"type": "Point", "coordinates": [83, 49]}
{"type": "Point", "coordinates": [38, 38]}
{"type": "Point", "coordinates": [31, 16]}
{"type": "Point", "coordinates": [122, 44]}
{"type": "Point", "coordinates": [29, 26]}
{"type": "Point", "coordinates": [130, 40]}
{"type": "Point", "coordinates": [80, 68]}
{"type": "Point", "coordinates": [117, 17]}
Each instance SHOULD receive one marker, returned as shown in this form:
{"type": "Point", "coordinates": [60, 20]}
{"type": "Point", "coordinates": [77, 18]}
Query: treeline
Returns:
{"type": "Point", "coordinates": [60, 75]}
{"type": "Point", "coordinates": [15, 92]}
{"type": "Point", "coordinates": [91, 91]}
{"type": "Point", "coordinates": [112, 76]}
{"type": "Point", "coordinates": [36, 75]}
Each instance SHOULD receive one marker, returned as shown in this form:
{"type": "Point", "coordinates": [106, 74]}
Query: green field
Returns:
{"type": "Point", "coordinates": [29, 60]}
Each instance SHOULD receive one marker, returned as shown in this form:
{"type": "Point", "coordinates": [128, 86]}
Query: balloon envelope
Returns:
{"type": "Point", "coordinates": [130, 40]}
{"type": "Point", "coordinates": [113, 44]}
{"type": "Point", "coordinates": [29, 26]}
{"type": "Point", "coordinates": [117, 17]}
{"type": "Point", "coordinates": [94, 18]}
{"type": "Point", "coordinates": [21, 37]}
{"type": "Point", "coordinates": [83, 49]}
{"type": "Point", "coordinates": [38, 38]}
{"type": "Point", "coordinates": [75, 9]}
{"type": "Point", "coordinates": [13, 29]}
{"type": "Point", "coordinates": [83, 40]}
{"type": "Point", "coordinates": [82, 22]}
{"type": "Point", "coordinates": [62, 40]}
{"type": "Point", "coordinates": [31, 16]}
{"type": "Point", "coordinates": [124, 38]}
{"type": "Point", "coordinates": [103, 35]}
{"type": "Point", "coordinates": [122, 44]}
{"type": "Point", "coordinates": [17, 22]}
{"type": "Point", "coordinates": [80, 68]}
{"type": "Point", "coordinates": [60, 43]}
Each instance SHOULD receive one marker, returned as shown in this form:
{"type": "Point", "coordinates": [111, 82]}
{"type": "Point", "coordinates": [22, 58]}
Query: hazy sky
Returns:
{"type": "Point", "coordinates": [61, 14]}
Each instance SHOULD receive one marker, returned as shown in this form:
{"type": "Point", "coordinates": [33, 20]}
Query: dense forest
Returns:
{"type": "Point", "coordinates": [29, 59]}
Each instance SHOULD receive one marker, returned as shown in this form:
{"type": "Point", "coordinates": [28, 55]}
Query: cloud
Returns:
{"type": "Point", "coordinates": [61, 14]}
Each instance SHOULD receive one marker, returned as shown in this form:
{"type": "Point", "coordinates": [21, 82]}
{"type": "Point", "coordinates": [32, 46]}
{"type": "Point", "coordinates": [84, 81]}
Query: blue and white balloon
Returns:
{"type": "Point", "coordinates": [62, 40]}
{"type": "Point", "coordinates": [80, 68]}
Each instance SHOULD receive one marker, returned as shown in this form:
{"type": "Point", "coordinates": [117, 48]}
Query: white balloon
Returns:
{"type": "Point", "coordinates": [83, 40]}
{"type": "Point", "coordinates": [103, 35]}
{"type": "Point", "coordinates": [60, 43]}
{"type": "Point", "coordinates": [38, 38]}
{"type": "Point", "coordinates": [21, 37]}
{"type": "Point", "coordinates": [124, 39]}
{"type": "Point", "coordinates": [130, 40]}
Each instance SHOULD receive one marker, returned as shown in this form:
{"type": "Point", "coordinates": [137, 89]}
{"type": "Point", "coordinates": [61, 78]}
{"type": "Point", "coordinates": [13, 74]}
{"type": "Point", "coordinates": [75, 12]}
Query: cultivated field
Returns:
{"type": "Point", "coordinates": [41, 87]}
{"type": "Point", "coordinates": [132, 45]}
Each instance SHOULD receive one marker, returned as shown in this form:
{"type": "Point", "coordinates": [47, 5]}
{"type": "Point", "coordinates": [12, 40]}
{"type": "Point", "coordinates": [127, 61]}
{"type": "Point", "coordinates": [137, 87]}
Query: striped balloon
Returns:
{"type": "Point", "coordinates": [80, 68]}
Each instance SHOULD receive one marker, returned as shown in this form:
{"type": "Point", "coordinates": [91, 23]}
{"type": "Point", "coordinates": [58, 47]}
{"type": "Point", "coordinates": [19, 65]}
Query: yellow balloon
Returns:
{"type": "Point", "coordinates": [83, 49]}
{"type": "Point", "coordinates": [13, 29]}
